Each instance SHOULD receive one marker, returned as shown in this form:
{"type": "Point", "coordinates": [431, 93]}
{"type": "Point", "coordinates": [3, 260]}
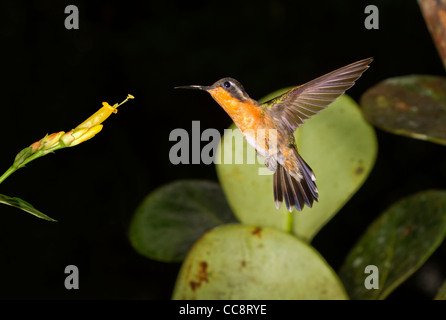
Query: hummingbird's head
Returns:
{"type": "Point", "coordinates": [228, 92]}
{"type": "Point", "coordinates": [231, 86]}
{"type": "Point", "coordinates": [226, 88]}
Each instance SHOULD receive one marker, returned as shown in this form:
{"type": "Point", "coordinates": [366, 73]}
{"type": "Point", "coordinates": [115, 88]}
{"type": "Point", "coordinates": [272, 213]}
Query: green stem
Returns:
{"type": "Point", "coordinates": [289, 222]}
{"type": "Point", "coordinates": [7, 173]}
{"type": "Point", "coordinates": [31, 158]}
{"type": "Point", "coordinates": [34, 156]}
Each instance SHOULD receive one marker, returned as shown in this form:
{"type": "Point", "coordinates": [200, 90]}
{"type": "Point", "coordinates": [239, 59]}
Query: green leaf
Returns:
{"type": "Point", "coordinates": [22, 156]}
{"type": "Point", "coordinates": [173, 217]}
{"type": "Point", "coordinates": [338, 145]}
{"type": "Point", "coordinates": [23, 205]}
{"type": "Point", "coordinates": [398, 243]}
{"type": "Point", "coordinates": [246, 262]}
{"type": "Point", "coordinates": [413, 106]}
{"type": "Point", "coordinates": [441, 295]}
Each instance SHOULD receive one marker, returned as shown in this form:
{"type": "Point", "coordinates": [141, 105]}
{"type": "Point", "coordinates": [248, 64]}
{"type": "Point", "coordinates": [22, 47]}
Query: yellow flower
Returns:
{"type": "Point", "coordinates": [50, 143]}
{"type": "Point", "coordinates": [74, 137]}
{"type": "Point", "coordinates": [90, 127]}
{"type": "Point", "coordinates": [99, 116]}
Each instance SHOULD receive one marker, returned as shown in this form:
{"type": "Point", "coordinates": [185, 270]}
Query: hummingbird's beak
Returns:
{"type": "Point", "coordinates": [205, 88]}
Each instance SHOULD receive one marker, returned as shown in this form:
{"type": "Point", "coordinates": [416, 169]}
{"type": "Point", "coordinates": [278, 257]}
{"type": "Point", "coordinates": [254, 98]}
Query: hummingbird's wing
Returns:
{"type": "Point", "coordinates": [301, 103]}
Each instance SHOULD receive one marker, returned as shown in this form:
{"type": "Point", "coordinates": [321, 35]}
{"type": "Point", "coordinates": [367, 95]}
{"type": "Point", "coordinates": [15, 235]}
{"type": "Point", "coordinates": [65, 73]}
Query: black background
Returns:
{"type": "Point", "coordinates": [54, 78]}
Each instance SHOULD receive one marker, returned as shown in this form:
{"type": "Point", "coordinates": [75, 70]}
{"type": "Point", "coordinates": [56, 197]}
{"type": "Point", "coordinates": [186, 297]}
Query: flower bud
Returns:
{"type": "Point", "coordinates": [47, 142]}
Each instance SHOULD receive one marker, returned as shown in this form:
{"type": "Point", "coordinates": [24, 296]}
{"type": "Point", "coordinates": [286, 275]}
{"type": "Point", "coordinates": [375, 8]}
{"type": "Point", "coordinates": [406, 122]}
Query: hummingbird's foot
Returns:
{"type": "Point", "coordinates": [271, 163]}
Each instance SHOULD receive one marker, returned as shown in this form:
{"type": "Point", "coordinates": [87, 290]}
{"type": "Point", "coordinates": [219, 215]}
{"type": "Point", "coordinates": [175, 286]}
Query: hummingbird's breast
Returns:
{"type": "Point", "coordinates": [257, 127]}
{"type": "Point", "coordinates": [246, 114]}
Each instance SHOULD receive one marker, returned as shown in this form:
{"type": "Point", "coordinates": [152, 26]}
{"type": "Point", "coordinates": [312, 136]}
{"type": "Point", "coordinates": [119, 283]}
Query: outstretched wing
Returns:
{"type": "Point", "coordinates": [301, 103]}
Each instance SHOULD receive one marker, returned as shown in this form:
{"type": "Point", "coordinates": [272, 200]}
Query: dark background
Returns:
{"type": "Point", "coordinates": [53, 78]}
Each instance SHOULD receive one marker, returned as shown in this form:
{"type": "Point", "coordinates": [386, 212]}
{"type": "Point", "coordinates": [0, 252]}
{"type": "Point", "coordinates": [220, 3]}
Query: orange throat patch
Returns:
{"type": "Point", "coordinates": [245, 114]}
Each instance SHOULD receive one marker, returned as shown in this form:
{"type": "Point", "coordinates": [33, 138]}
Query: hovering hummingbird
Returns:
{"type": "Point", "coordinates": [294, 180]}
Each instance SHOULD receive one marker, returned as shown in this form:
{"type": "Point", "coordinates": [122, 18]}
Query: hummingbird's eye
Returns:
{"type": "Point", "coordinates": [227, 84]}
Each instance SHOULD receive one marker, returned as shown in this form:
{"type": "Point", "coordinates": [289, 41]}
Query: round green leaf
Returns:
{"type": "Point", "coordinates": [245, 262]}
{"type": "Point", "coordinates": [338, 145]}
{"type": "Point", "coordinates": [397, 243]}
{"type": "Point", "coordinates": [173, 217]}
{"type": "Point", "coordinates": [413, 106]}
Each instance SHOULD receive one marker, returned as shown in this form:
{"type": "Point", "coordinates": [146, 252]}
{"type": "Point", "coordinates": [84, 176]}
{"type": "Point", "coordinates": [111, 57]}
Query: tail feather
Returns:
{"type": "Point", "coordinates": [278, 190]}
{"type": "Point", "coordinates": [288, 193]}
{"type": "Point", "coordinates": [295, 193]}
{"type": "Point", "coordinates": [309, 178]}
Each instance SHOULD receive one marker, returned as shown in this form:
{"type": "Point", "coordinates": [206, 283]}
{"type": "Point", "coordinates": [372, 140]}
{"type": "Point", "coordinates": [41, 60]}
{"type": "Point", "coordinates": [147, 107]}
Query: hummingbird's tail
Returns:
{"type": "Point", "coordinates": [296, 193]}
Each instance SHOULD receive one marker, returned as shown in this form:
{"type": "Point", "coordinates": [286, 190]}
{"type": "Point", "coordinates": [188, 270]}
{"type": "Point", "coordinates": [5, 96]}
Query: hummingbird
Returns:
{"type": "Point", "coordinates": [294, 180]}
